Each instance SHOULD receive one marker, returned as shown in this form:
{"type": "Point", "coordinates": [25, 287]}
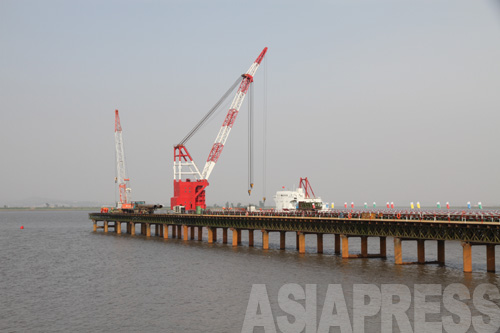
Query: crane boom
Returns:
{"type": "Point", "coordinates": [228, 123]}
{"type": "Point", "coordinates": [121, 175]}
{"type": "Point", "coordinates": [189, 193]}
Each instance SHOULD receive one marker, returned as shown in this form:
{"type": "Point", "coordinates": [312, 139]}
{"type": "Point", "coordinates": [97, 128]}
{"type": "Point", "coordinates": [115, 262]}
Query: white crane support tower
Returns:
{"type": "Point", "coordinates": [121, 175]}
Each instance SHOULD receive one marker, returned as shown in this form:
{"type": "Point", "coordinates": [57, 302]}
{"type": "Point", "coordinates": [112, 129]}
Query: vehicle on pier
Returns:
{"type": "Point", "coordinates": [134, 207]}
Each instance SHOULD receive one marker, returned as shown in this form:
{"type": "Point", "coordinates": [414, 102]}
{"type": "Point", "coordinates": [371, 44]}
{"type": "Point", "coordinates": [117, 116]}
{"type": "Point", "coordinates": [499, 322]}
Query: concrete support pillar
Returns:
{"type": "Point", "coordinates": [282, 240]}
{"type": "Point", "coordinates": [132, 228]}
{"type": "Point", "coordinates": [250, 237]}
{"type": "Point", "coordinates": [200, 233]}
{"type": "Point", "coordinates": [364, 246]}
{"type": "Point", "coordinates": [239, 236]}
{"type": "Point", "coordinates": [235, 237]}
{"type": "Point", "coordinates": [165, 231]}
{"type": "Point", "coordinates": [297, 240]}
{"type": "Point", "coordinates": [337, 244]}
{"type": "Point", "coordinates": [490, 258]}
{"type": "Point", "coordinates": [265, 240]}
{"type": "Point", "coordinates": [210, 235]}
{"type": "Point", "coordinates": [128, 228]}
{"type": "Point", "coordinates": [162, 229]}
{"type": "Point", "coordinates": [398, 251]}
{"type": "Point", "coordinates": [383, 247]}
{"type": "Point", "coordinates": [467, 256]}
{"type": "Point", "coordinates": [118, 227]}
{"type": "Point", "coordinates": [191, 230]}
{"type": "Point", "coordinates": [224, 235]}
{"type": "Point", "coordinates": [174, 231]}
{"type": "Point", "coordinates": [95, 225]}
{"type": "Point", "coordinates": [345, 246]}
{"type": "Point", "coordinates": [215, 234]}
{"type": "Point", "coordinates": [148, 229]}
{"type": "Point", "coordinates": [105, 226]}
{"type": "Point", "coordinates": [302, 242]}
{"type": "Point", "coordinates": [179, 231]}
{"type": "Point", "coordinates": [143, 229]}
{"type": "Point", "coordinates": [320, 242]}
{"type": "Point", "coordinates": [185, 231]}
{"type": "Point", "coordinates": [421, 251]}
{"type": "Point", "coordinates": [440, 252]}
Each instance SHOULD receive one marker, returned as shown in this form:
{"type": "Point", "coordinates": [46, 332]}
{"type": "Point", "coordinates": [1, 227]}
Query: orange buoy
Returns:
{"type": "Point", "coordinates": [22, 227]}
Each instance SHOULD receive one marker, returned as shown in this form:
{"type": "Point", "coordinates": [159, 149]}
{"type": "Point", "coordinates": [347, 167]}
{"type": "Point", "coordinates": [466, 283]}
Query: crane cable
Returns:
{"type": "Point", "coordinates": [250, 139]}
{"type": "Point", "coordinates": [210, 113]}
{"type": "Point", "coordinates": [264, 141]}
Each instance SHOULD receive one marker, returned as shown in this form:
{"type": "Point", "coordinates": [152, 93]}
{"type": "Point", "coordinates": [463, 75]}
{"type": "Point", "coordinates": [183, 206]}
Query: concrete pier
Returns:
{"type": "Point", "coordinates": [467, 256]}
{"type": "Point", "coordinates": [250, 237]}
{"type": "Point", "coordinates": [490, 258]}
{"type": "Point", "coordinates": [345, 246]}
{"type": "Point", "coordinates": [301, 242]}
{"type": "Point", "coordinates": [179, 231]}
{"type": "Point", "coordinates": [265, 240]}
{"type": "Point", "coordinates": [200, 233]}
{"type": "Point", "coordinates": [398, 251]}
{"type": "Point", "coordinates": [383, 247]}
{"type": "Point", "coordinates": [224, 235]}
{"type": "Point", "coordinates": [319, 242]}
{"type": "Point", "coordinates": [210, 234]}
{"type": "Point", "coordinates": [105, 226]}
{"type": "Point", "coordinates": [191, 233]}
{"type": "Point", "coordinates": [185, 231]}
{"type": "Point", "coordinates": [282, 240]}
{"type": "Point", "coordinates": [421, 251]}
{"type": "Point", "coordinates": [337, 244]}
{"type": "Point", "coordinates": [440, 252]}
{"type": "Point", "coordinates": [165, 231]}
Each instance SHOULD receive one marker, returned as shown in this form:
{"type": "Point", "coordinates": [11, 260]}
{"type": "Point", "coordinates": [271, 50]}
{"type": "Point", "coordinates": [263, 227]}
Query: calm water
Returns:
{"type": "Point", "coordinates": [58, 275]}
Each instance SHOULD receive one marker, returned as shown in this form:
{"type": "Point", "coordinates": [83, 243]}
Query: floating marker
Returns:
{"type": "Point", "coordinates": [392, 205]}
{"type": "Point", "coordinates": [388, 205]}
{"type": "Point", "coordinates": [468, 205]}
{"type": "Point", "coordinates": [438, 205]}
{"type": "Point", "coordinates": [333, 205]}
{"type": "Point", "coordinates": [352, 204]}
{"type": "Point", "coordinates": [366, 205]}
{"type": "Point", "coordinates": [418, 205]}
{"type": "Point", "coordinates": [447, 205]}
{"type": "Point", "coordinates": [480, 205]}
{"type": "Point", "coordinates": [374, 205]}
{"type": "Point", "coordinates": [412, 206]}
{"type": "Point", "coordinates": [22, 227]}
{"type": "Point", "coordinates": [345, 204]}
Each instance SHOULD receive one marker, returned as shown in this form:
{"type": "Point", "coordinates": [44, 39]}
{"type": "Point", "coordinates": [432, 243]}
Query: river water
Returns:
{"type": "Point", "coordinates": [56, 275]}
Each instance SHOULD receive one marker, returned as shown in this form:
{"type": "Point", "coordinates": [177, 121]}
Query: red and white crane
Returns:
{"type": "Point", "coordinates": [190, 193]}
{"type": "Point", "coordinates": [121, 175]}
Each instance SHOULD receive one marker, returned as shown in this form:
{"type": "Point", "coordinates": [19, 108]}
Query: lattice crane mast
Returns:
{"type": "Point", "coordinates": [189, 193]}
{"type": "Point", "coordinates": [121, 175]}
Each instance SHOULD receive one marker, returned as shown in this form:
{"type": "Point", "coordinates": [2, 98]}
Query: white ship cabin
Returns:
{"type": "Point", "coordinates": [289, 200]}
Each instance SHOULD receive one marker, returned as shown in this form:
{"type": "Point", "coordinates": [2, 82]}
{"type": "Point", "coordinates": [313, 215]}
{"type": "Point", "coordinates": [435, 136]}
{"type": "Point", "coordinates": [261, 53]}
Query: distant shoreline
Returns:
{"type": "Point", "coordinates": [48, 208]}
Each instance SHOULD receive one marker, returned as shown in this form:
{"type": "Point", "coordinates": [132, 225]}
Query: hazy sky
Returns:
{"type": "Point", "coordinates": [387, 100]}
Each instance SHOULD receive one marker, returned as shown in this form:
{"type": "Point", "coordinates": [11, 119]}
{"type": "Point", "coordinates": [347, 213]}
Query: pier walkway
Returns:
{"type": "Point", "coordinates": [190, 227]}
